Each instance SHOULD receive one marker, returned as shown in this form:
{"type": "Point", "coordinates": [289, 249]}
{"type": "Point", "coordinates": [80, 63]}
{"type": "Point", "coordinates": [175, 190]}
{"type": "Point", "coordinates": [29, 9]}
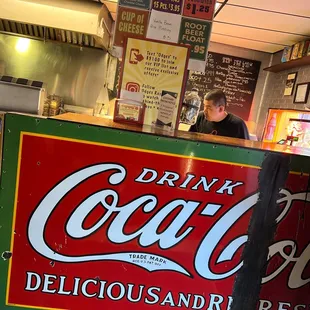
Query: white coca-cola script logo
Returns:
{"type": "Point", "coordinates": [148, 234]}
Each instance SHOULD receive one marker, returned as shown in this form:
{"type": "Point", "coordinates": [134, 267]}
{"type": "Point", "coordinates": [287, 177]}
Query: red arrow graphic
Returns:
{"type": "Point", "coordinates": [139, 57]}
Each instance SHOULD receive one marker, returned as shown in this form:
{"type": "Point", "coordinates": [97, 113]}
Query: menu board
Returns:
{"type": "Point", "coordinates": [236, 76]}
{"type": "Point", "coordinates": [174, 21]}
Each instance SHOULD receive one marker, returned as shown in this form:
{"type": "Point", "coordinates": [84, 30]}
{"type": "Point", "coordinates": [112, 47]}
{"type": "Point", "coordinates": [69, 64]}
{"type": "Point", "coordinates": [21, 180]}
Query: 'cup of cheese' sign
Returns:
{"type": "Point", "coordinates": [130, 23]}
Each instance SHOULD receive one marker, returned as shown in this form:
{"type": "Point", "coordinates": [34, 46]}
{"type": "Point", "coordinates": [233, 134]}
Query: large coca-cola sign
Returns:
{"type": "Point", "coordinates": [98, 226]}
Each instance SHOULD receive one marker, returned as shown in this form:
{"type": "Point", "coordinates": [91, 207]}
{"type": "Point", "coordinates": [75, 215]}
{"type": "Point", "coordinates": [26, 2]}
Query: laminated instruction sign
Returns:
{"type": "Point", "coordinates": [152, 67]}
{"type": "Point", "coordinates": [130, 23]}
{"type": "Point", "coordinates": [196, 33]}
{"type": "Point", "coordinates": [164, 27]}
{"type": "Point", "coordinates": [166, 108]}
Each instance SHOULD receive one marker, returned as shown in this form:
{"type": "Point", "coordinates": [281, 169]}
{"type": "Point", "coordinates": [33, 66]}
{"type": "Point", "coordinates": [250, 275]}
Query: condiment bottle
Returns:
{"type": "Point", "coordinates": [190, 108]}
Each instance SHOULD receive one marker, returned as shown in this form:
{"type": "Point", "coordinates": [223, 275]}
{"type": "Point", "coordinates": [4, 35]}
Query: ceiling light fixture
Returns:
{"type": "Point", "coordinates": [22, 45]}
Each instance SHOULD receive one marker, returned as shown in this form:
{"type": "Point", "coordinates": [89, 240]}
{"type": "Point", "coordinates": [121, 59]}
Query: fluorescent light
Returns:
{"type": "Point", "coordinates": [22, 45]}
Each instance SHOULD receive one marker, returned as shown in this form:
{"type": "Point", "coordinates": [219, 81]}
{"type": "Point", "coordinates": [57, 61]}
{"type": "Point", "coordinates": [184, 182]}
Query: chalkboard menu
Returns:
{"type": "Point", "coordinates": [237, 77]}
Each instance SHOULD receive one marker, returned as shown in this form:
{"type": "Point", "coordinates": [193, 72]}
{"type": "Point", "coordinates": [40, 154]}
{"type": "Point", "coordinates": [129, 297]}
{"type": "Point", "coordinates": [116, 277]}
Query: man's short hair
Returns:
{"type": "Point", "coordinates": [217, 96]}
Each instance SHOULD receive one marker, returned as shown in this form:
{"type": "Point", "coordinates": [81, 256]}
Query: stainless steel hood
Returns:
{"type": "Point", "coordinates": [79, 22]}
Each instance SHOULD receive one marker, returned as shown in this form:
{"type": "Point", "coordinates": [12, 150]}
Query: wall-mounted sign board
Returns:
{"type": "Point", "coordinates": [236, 76]}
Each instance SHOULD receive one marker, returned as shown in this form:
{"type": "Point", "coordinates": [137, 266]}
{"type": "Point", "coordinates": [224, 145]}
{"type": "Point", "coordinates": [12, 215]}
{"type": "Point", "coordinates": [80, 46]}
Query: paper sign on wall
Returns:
{"type": "Point", "coordinates": [167, 106]}
{"type": "Point", "coordinates": [164, 26]}
{"type": "Point", "coordinates": [197, 65]}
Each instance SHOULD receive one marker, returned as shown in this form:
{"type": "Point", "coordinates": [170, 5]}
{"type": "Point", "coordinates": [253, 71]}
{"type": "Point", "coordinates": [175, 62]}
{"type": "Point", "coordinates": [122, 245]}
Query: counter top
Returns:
{"type": "Point", "coordinates": [98, 121]}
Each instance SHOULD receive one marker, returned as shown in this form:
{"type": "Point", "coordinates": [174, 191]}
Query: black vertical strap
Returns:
{"type": "Point", "coordinates": [261, 231]}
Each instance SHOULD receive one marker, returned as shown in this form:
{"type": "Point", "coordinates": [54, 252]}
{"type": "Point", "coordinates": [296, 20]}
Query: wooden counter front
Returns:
{"type": "Point", "coordinates": [102, 211]}
{"type": "Point", "coordinates": [104, 122]}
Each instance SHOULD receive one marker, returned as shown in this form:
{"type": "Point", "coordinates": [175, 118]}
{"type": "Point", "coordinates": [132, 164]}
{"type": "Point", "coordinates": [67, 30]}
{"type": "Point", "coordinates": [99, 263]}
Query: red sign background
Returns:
{"type": "Point", "coordinates": [202, 9]}
{"type": "Point", "coordinates": [46, 161]}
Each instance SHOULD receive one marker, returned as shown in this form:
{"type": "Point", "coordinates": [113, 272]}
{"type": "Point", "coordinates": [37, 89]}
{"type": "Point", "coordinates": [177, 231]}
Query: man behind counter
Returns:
{"type": "Point", "coordinates": [215, 120]}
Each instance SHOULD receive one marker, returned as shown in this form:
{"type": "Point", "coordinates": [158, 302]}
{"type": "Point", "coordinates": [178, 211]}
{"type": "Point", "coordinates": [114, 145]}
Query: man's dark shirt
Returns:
{"type": "Point", "coordinates": [230, 126]}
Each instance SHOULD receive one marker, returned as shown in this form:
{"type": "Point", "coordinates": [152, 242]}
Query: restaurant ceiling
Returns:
{"type": "Point", "coordinates": [263, 25]}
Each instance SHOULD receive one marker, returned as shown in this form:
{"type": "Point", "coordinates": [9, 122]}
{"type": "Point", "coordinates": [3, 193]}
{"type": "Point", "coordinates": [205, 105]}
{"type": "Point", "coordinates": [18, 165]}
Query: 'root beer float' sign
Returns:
{"type": "Point", "coordinates": [117, 227]}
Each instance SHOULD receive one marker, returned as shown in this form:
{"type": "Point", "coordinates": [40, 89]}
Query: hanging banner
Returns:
{"type": "Point", "coordinates": [168, 6]}
{"type": "Point", "coordinates": [152, 67]}
{"type": "Point", "coordinates": [138, 4]}
{"type": "Point", "coordinates": [196, 33]}
{"type": "Point", "coordinates": [130, 23]}
{"type": "Point", "coordinates": [203, 9]}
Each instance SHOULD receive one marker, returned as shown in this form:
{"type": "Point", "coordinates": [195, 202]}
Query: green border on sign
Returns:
{"type": "Point", "coordinates": [14, 124]}
{"type": "Point", "coordinates": [192, 35]}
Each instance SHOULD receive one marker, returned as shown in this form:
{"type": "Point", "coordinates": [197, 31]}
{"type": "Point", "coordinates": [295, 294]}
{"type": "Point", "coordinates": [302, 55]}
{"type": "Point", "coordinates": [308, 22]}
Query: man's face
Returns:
{"type": "Point", "coordinates": [212, 112]}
